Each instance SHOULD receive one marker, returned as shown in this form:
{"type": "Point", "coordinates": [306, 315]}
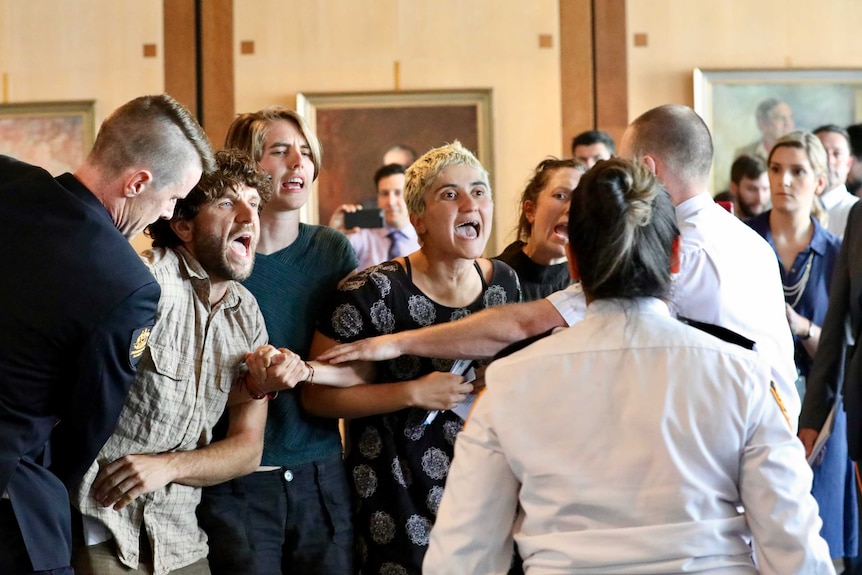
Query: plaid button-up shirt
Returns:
{"type": "Point", "coordinates": [194, 355]}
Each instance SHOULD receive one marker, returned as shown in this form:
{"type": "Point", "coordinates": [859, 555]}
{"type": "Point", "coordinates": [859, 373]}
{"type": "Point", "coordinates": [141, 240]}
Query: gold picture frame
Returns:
{"type": "Point", "coordinates": [56, 136]}
{"type": "Point", "coordinates": [727, 99]}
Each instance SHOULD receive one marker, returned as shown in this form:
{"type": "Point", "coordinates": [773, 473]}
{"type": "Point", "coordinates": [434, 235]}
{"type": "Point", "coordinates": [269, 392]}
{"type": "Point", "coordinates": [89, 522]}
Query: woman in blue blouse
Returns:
{"type": "Point", "coordinates": [807, 253]}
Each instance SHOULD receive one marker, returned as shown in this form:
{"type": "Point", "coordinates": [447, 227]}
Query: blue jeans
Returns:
{"type": "Point", "coordinates": [290, 520]}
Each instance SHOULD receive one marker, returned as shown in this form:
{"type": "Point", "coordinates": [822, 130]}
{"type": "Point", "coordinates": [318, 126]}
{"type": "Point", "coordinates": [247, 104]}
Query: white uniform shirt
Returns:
{"type": "Point", "coordinates": [626, 444]}
{"type": "Point", "coordinates": [729, 277]}
{"type": "Point", "coordinates": [837, 203]}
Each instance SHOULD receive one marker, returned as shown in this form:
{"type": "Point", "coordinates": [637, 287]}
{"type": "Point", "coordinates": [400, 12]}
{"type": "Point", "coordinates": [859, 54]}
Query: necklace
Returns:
{"type": "Point", "coordinates": [796, 290]}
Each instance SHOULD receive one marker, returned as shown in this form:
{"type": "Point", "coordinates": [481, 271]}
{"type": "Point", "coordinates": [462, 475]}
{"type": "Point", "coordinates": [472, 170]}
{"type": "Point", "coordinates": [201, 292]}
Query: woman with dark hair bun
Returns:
{"type": "Point", "coordinates": [629, 442]}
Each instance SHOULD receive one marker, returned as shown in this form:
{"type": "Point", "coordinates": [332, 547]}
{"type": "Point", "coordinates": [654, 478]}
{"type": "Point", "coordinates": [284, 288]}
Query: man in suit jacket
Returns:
{"type": "Point", "coordinates": [837, 366]}
{"type": "Point", "coordinates": [837, 347]}
{"type": "Point", "coordinates": [79, 308]}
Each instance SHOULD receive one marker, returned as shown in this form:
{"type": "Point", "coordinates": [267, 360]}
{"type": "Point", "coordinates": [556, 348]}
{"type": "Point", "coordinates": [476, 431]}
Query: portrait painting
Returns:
{"type": "Point", "coordinates": [54, 135]}
{"type": "Point", "coordinates": [356, 130]}
{"type": "Point", "coordinates": [728, 100]}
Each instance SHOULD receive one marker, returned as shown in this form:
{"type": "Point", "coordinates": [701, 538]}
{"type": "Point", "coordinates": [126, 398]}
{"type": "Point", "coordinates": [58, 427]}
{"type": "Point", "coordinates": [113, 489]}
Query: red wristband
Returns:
{"type": "Point", "coordinates": [256, 394]}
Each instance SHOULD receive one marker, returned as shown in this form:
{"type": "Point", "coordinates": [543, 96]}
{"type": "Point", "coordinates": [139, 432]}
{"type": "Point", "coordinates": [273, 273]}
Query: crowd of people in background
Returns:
{"type": "Point", "coordinates": [647, 379]}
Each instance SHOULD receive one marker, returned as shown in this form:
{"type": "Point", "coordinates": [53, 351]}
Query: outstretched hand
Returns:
{"type": "Point", "coordinates": [377, 348]}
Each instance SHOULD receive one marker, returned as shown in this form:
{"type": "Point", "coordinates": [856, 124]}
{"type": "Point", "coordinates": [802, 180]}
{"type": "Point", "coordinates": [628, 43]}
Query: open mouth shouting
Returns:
{"type": "Point", "coordinates": [561, 231]}
{"type": "Point", "coordinates": [241, 244]}
{"type": "Point", "coordinates": [294, 184]}
{"type": "Point", "coordinates": [468, 230]}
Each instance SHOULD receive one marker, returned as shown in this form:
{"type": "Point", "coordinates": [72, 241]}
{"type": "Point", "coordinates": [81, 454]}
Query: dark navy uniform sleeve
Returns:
{"type": "Point", "coordinates": [104, 372]}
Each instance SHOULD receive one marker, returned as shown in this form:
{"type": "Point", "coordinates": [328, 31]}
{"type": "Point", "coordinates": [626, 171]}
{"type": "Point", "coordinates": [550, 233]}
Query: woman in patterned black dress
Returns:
{"type": "Point", "coordinates": [399, 457]}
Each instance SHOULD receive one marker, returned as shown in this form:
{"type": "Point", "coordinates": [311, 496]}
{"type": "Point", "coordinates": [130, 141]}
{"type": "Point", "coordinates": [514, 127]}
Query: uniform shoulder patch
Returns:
{"type": "Point", "coordinates": [138, 344]}
{"type": "Point", "coordinates": [780, 403]}
{"type": "Point", "coordinates": [721, 333]}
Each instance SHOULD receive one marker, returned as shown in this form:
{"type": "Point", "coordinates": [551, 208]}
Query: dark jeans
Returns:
{"type": "Point", "coordinates": [291, 521]}
{"type": "Point", "coordinates": [14, 559]}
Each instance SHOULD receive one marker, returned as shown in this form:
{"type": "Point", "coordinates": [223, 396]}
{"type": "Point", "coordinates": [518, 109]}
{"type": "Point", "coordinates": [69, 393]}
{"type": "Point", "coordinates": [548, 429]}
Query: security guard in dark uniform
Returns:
{"type": "Point", "coordinates": [78, 308]}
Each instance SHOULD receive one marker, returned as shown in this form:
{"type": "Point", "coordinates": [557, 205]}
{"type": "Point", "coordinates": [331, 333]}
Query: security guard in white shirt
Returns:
{"type": "Point", "coordinates": [629, 442]}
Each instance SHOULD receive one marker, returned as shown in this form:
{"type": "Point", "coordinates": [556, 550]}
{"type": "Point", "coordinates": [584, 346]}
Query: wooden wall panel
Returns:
{"type": "Point", "coordinates": [576, 69]}
{"type": "Point", "coordinates": [609, 33]}
{"type": "Point", "coordinates": [199, 62]}
{"type": "Point", "coordinates": [217, 68]}
{"type": "Point", "coordinates": [340, 46]}
{"type": "Point", "coordinates": [181, 52]}
{"type": "Point", "coordinates": [593, 70]}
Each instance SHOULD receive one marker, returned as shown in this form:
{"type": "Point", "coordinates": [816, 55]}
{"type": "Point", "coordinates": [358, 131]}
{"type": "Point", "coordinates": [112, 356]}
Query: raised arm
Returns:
{"type": "Point", "coordinates": [478, 335]}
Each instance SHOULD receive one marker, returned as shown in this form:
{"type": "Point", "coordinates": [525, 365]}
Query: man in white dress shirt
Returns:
{"type": "Point", "coordinates": [728, 274]}
{"type": "Point", "coordinates": [835, 198]}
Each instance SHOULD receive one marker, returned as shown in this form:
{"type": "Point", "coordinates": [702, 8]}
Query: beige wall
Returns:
{"type": "Point", "coordinates": [93, 49]}
{"type": "Point", "coordinates": [732, 34]}
{"type": "Point", "coordinates": [83, 50]}
{"type": "Point", "coordinates": [53, 50]}
{"type": "Point", "coordinates": [337, 46]}
{"type": "Point", "coordinates": [687, 34]}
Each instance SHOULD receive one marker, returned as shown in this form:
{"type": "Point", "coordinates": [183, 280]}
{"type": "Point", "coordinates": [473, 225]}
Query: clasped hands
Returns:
{"type": "Point", "coordinates": [123, 480]}
{"type": "Point", "coordinates": [272, 369]}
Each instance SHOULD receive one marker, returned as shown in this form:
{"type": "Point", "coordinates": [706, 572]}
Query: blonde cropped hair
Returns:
{"type": "Point", "coordinates": [422, 174]}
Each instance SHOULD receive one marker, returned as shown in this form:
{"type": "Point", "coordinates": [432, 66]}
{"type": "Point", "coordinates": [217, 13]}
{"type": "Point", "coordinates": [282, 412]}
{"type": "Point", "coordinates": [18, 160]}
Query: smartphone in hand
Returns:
{"type": "Point", "coordinates": [363, 219]}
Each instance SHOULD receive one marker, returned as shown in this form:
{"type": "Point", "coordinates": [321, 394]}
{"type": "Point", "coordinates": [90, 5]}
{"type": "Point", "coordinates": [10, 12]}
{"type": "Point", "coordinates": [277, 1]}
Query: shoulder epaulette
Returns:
{"type": "Point", "coordinates": [721, 333]}
{"type": "Point", "coordinates": [519, 345]}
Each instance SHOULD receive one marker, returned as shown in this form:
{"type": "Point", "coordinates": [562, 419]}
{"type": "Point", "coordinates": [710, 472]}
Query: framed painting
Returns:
{"type": "Point", "coordinates": [56, 136]}
{"type": "Point", "coordinates": [356, 130]}
{"type": "Point", "coordinates": [728, 100]}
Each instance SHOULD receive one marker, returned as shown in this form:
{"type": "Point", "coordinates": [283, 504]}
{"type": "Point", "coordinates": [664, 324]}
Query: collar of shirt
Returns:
{"type": "Point", "coordinates": [642, 305]}
{"type": "Point", "coordinates": [407, 231]}
{"type": "Point", "coordinates": [819, 241]}
{"type": "Point", "coordinates": [833, 197]}
{"type": "Point", "coordinates": [75, 186]}
{"type": "Point", "coordinates": [693, 205]}
{"type": "Point", "coordinates": [199, 278]}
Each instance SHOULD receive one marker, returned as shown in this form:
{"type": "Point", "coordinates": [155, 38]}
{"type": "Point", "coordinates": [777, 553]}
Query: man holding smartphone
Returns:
{"type": "Point", "coordinates": [384, 239]}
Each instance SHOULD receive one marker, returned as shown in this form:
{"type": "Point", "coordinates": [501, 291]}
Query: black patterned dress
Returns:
{"type": "Point", "coordinates": [398, 464]}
